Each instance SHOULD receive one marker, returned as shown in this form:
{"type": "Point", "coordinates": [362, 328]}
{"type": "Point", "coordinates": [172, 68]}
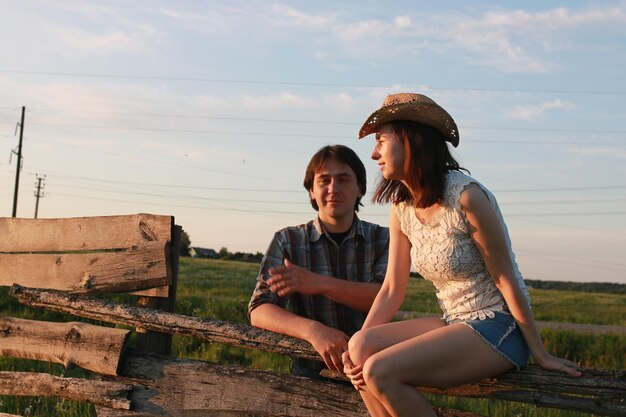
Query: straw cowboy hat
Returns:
{"type": "Point", "coordinates": [412, 107]}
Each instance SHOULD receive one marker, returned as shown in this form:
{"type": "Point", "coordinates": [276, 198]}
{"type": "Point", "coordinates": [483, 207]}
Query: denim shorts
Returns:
{"type": "Point", "coordinates": [503, 334]}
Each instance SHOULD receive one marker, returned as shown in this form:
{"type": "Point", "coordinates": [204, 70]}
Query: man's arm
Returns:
{"type": "Point", "coordinates": [290, 278]}
{"type": "Point", "coordinates": [328, 342]}
{"type": "Point", "coordinates": [266, 311]}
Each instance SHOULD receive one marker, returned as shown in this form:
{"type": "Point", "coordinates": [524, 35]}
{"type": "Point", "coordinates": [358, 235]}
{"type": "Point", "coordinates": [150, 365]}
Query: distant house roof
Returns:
{"type": "Point", "coordinates": [197, 252]}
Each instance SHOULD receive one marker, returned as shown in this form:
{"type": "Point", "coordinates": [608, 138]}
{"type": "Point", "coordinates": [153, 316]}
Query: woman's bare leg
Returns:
{"type": "Point", "coordinates": [443, 357]}
{"type": "Point", "coordinates": [366, 343]}
{"type": "Point", "coordinates": [374, 406]}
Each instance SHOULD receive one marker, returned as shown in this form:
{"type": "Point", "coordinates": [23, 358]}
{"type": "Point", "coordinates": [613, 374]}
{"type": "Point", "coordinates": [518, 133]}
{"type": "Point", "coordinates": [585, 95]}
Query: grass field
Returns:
{"type": "Point", "coordinates": [221, 289]}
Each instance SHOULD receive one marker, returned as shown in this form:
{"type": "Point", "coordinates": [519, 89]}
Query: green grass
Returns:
{"type": "Point", "coordinates": [221, 289]}
{"type": "Point", "coordinates": [579, 307]}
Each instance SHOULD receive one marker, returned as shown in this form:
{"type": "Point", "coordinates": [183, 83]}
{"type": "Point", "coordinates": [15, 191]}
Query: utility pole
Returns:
{"type": "Point", "coordinates": [19, 163]}
{"type": "Point", "coordinates": [38, 192]}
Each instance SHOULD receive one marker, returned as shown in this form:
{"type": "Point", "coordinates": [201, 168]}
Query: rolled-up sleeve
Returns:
{"type": "Point", "coordinates": [274, 256]}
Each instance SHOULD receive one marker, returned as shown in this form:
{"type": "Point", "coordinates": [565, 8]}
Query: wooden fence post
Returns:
{"type": "Point", "coordinates": [156, 342]}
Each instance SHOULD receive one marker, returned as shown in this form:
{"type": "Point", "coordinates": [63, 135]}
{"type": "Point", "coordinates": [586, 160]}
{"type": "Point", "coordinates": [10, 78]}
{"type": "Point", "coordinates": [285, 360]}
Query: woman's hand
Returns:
{"type": "Point", "coordinates": [553, 363]}
{"type": "Point", "coordinates": [354, 373]}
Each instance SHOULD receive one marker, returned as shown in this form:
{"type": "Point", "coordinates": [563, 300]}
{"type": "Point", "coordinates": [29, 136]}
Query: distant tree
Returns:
{"type": "Point", "coordinates": [185, 244]}
{"type": "Point", "coordinates": [237, 256]}
{"type": "Point", "coordinates": [223, 253]}
{"type": "Point", "coordinates": [601, 287]}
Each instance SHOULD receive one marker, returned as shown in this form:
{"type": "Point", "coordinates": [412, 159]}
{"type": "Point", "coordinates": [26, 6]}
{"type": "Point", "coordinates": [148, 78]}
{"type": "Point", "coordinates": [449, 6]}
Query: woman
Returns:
{"type": "Point", "coordinates": [450, 226]}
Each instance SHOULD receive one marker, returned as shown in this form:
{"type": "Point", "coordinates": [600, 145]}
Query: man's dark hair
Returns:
{"type": "Point", "coordinates": [341, 154]}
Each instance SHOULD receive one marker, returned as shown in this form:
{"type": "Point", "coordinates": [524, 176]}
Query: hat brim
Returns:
{"type": "Point", "coordinates": [429, 114]}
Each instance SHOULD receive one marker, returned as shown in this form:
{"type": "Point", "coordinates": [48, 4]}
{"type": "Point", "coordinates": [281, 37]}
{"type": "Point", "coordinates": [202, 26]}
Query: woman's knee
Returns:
{"type": "Point", "coordinates": [377, 375]}
{"type": "Point", "coordinates": [359, 347]}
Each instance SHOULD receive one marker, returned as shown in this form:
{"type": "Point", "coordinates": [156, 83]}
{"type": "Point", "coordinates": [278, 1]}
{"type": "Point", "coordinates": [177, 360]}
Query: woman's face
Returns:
{"type": "Point", "coordinates": [389, 153]}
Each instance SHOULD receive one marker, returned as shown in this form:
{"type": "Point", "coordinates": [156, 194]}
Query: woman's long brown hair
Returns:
{"type": "Point", "coordinates": [426, 162]}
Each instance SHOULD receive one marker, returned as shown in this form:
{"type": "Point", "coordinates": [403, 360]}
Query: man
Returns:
{"type": "Point", "coordinates": [317, 281]}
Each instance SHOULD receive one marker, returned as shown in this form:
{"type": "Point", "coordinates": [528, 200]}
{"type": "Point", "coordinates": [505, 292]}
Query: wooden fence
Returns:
{"type": "Point", "coordinates": [64, 265]}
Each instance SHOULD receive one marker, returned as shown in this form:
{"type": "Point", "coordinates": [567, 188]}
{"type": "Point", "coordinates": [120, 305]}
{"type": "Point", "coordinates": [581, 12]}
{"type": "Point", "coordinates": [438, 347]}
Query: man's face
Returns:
{"type": "Point", "coordinates": [335, 190]}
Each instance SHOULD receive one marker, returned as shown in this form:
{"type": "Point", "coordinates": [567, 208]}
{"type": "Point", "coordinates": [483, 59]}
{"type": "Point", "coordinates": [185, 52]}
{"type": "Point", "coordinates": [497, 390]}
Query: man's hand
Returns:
{"type": "Point", "coordinates": [290, 278]}
{"type": "Point", "coordinates": [330, 344]}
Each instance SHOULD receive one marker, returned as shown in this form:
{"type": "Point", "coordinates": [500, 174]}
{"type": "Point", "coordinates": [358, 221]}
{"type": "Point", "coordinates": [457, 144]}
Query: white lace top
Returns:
{"type": "Point", "coordinates": [444, 253]}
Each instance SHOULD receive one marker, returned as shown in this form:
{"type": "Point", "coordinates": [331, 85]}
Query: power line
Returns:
{"type": "Point", "coordinates": [588, 213]}
{"type": "Point", "coordinates": [273, 201]}
{"type": "Point", "coordinates": [191, 197]}
{"type": "Point", "coordinates": [461, 127]}
{"type": "Point", "coordinates": [301, 121]}
{"type": "Point", "coordinates": [607, 213]}
{"type": "Point", "coordinates": [548, 202]}
{"type": "Point", "coordinates": [178, 164]}
{"type": "Point", "coordinates": [540, 190]}
{"type": "Point", "coordinates": [376, 215]}
{"type": "Point", "coordinates": [229, 208]}
{"type": "Point", "coordinates": [197, 187]}
{"type": "Point", "coordinates": [304, 135]}
{"type": "Point", "coordinates": [306, 83]}
{"type": "Point", "coordinates": [306, 202]}
{"type": "Point", "coordinates": [522, 190]}
{"type": "Point", "coordinates": [202, 117]}
{"type": "Point", "coordinates": [570, 226]}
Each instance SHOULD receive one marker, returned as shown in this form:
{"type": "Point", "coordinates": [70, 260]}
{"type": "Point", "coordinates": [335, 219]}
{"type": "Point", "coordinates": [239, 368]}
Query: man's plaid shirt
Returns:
{"type": "Point", "coordinates": [361, 257]}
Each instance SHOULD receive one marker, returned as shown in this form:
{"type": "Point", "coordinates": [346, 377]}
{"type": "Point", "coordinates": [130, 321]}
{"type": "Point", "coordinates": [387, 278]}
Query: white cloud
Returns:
{"type": "Point", "coordinates": [282, 15]}
{"type": "Point", "coordinates": [210, 20]}
{"type": "Point", "coordinates": [402, 22]}
{"type": "Point", "coordinates": [116, 42]}
{"type": "Point", "coordinates": [555, 19]}
{"type": "Point", "coordinates": [254, 104]}
{"type": "Point", "coordinates": [77, 28]}
{"type": "Point", "coordinates": [341, 102]}
{"type": "Point", "coordinates": [534, 112]}
{"type": "Point", "coordinates": [510, 41]}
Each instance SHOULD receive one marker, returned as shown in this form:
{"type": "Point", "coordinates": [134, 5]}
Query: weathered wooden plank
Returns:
{"type": "Point", "coordinates": [91, 347]}
{"type": "Point", "coordinates": [156, 342]}
{"type": "Point", "coordinates": [598, 392]}
{"type": "Point", "coordinates": [150, 319]}
{"type": "Point", "coordinates": [107, 412]}
{"type": "Point", "coordinates": [31, 384]}
{"type": "Point", "coordinates": [186, 388]}
{"type": "Point", "coordinates": [143, 266]}
{"type": "Point", "coordinates": [82, 233]}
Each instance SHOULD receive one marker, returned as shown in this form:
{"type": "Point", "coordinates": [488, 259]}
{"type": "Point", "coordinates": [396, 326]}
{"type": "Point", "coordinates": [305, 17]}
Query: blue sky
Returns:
{"type": "Point", "coordinates": [210, 111]}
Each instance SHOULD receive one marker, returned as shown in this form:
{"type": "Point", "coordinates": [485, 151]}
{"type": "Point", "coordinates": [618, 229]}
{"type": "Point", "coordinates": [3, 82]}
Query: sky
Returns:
{"type": "Point", "coordinates": [210, 110]}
